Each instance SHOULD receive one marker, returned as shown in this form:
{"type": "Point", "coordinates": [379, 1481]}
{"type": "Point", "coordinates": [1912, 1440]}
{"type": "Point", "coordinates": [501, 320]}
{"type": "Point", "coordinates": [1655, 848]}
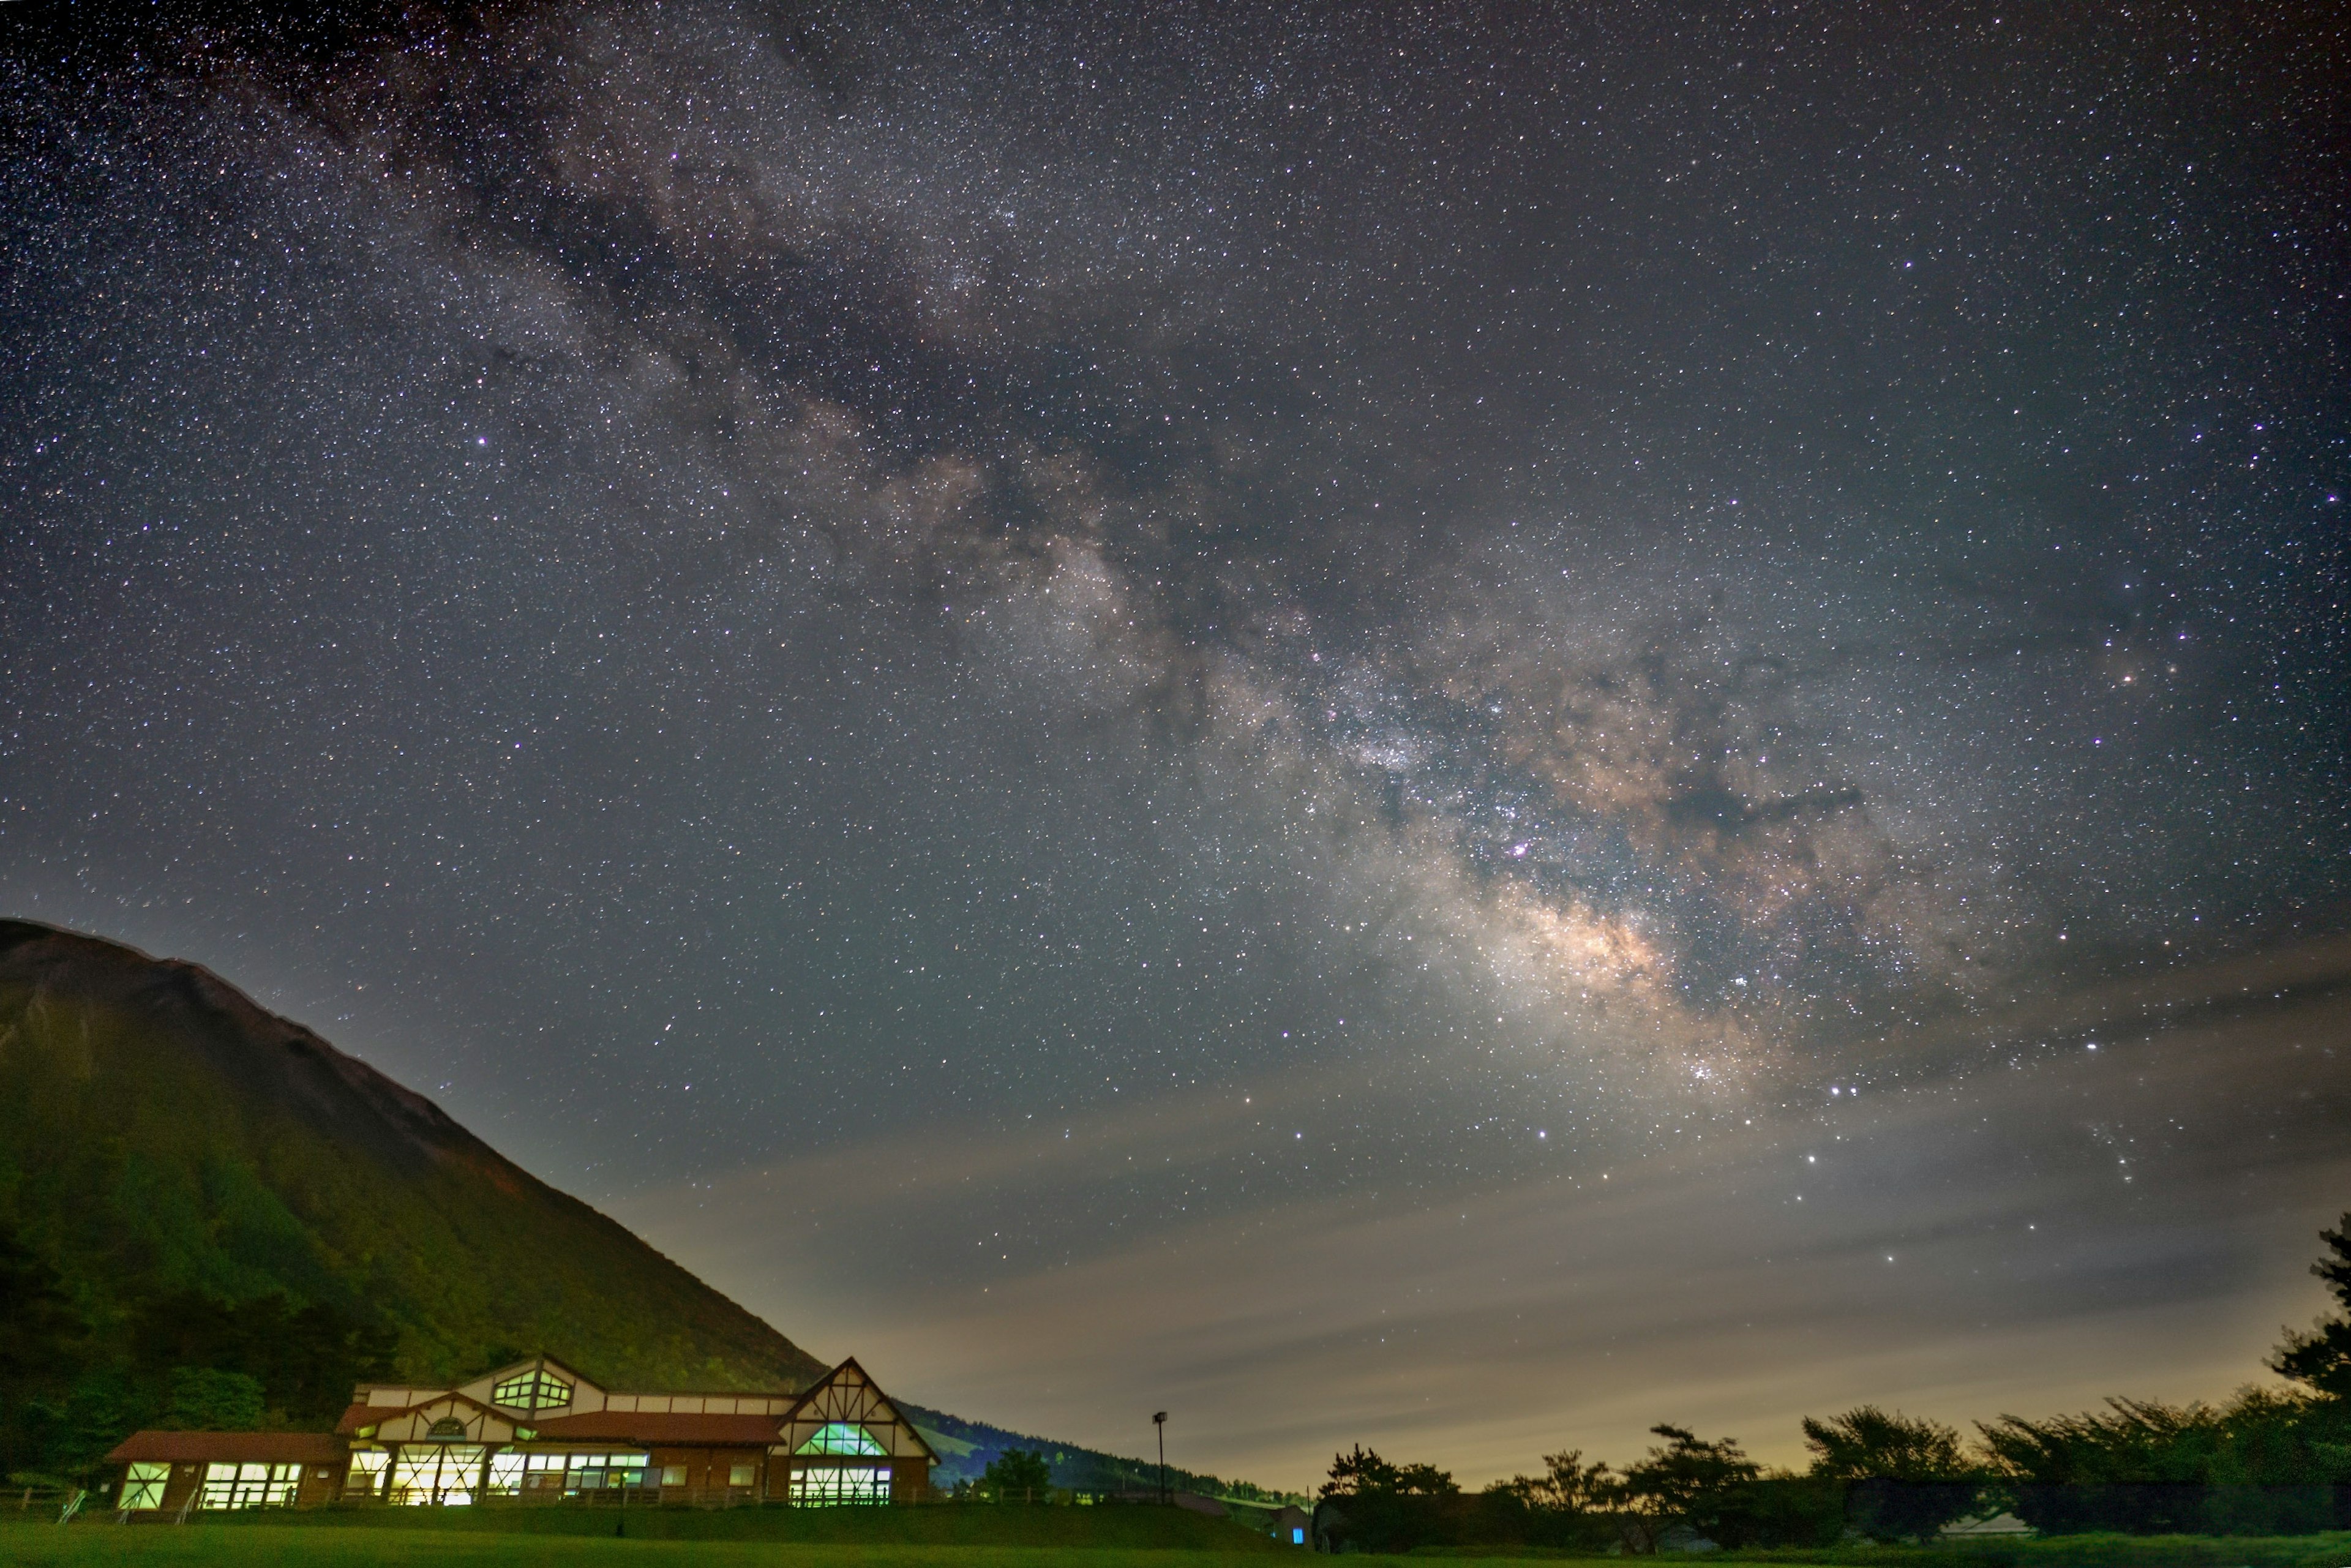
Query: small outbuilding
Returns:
{"type": "Point", "coordinates": [165, 1473]}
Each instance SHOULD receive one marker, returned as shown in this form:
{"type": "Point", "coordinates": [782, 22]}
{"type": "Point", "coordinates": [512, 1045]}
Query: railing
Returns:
{"type": "Point", "coordinates": [64, 1501]}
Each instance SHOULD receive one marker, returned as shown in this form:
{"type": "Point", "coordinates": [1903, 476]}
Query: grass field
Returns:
{"type": "Point", "coordinates": [218, 1546]}
{"type": "Point", "coordinates": [941, 1538]}
{"type": "Point", "coordinates": [652, 1538]}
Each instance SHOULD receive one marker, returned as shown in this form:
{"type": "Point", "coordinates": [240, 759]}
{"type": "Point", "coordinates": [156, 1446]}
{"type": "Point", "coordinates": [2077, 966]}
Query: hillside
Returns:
{"type": "Point", "coordinates": [162, 1134]}
{"type": "Point", "coordinates": [189, 1181]}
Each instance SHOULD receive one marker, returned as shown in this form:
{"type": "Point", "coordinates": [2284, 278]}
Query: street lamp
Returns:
{"type": "Point", "coordinates": [1159, 1421]}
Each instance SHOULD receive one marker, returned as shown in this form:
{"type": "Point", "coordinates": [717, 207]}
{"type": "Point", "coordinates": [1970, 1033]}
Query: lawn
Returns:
{"type": "Point", "coordinates": [652, 1538]}
{"type": "Point", "coordinates": [221, 1546]}
{"type": "Point", "coordinates": [940, 1538]}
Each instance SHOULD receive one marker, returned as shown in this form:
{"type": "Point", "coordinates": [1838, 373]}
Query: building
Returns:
{"type": "Point", "coordinates": [538, 1432]}
{"type": "Point", "coordinates": [168, 1472]}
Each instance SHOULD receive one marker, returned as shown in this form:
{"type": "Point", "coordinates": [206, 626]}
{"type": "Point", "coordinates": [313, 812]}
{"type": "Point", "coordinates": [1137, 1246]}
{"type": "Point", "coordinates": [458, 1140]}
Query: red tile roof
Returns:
{"type": "Point", "coordinates": [240, 1447]}
{"type": "Point", "coordinates": [649, 1428]}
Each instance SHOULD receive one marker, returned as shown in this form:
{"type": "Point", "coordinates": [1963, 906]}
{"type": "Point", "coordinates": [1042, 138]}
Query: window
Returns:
{"type": "Point", "coordinates": [249, 1485]}
{"type": "Point", "coordinates": [444, 1473]}
{"type": "Point", "coordinates": [506, 1473]}
{"type": "Point", "coordinates": [830, 1486]}
{"type": "Point", "coordinates": [673, 1475]}
{"type": "Point", "coordinates": [841, 1437]}
{"type": "Point", "coordinates": [742, 1475]}
{"type": "Point", "coordinates": [368, 1466]}
{"type": "Point", "coordinates": [537, 1390]}
{"type": "Point", "coordinates": [600, 1472]}
{"type": "Point", "coordinates": [143, 1486]}
{"type": "Point", "coordinates": [1297, 1535]}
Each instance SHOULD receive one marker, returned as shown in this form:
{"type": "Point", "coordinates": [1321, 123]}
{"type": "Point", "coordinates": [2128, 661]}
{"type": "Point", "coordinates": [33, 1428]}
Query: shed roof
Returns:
{"type": "Point", "coordinates": [241, 1448]}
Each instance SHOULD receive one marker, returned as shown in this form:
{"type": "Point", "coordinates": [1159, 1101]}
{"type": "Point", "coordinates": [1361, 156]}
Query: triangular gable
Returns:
{"type": "Point", "coordinates": [848, 1395]}
{"type": "Point", "coordinates": [584, 1393]}
{"type": "Point", "coordinates": [479, 1422]}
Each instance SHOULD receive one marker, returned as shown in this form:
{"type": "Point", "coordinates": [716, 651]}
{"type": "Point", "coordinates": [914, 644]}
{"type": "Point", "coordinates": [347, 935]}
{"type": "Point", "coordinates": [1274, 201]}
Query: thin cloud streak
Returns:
{"type": "Point", "coordinates": [2049, 1236]}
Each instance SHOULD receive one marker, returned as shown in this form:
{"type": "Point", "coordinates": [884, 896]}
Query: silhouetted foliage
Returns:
{"type": "Point", "coordinates": [1375, 1506]}
{"type": "Point", "coordinates": [1019, 1476]}
{"type": "Point", "coordinates": [1705, 1487]}
{"type": "Point", "coordinates": [1564, 1506]}
{"type": "Point", "coordinates": [1903, 1478]}
{"type": "Point", "coordinates": [2265, 1463]}
{"type": "Point", "coordinates": [2321, 1359]}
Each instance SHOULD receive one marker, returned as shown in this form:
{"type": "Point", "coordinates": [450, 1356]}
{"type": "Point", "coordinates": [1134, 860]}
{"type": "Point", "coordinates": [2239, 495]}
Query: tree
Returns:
{"type": "Point", "coordinates": [1019, 1476]}
{"type": "Point", "coordinates": [2321, 1359]}
{"type": "Point", "coordinates": [2266, 1463]}
{"type": "Point", "coordinates": [41, 1346]}
{"type": "Point", "coordinates": [205, 1399]}
{"type": "Point", "coordinates": [1390, 1507]}
{"type": "Point", "coordinates": [1903, 1478]}
{"type": "Point", "coordinates": [1562, 1506]}
{"type": "Point", "coordinates": [1707, 1487]}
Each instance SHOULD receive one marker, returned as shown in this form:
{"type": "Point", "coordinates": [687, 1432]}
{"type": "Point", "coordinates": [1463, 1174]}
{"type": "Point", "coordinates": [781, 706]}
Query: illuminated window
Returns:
{"type": "Point", "coordinates": [506, 1473]}
{"type": "Point", "coordinates": [537, 1390]}
{"type": "Point", "coordinates": [368, 1466]}
{"type": "Point", "coordinates": [742, 1475]}
{"type": "Point", "coordinates": [600, 1472]}
{"type": "Point", "coordinates": [833, 1486]}
{"type": "Point", "coordinates": [143, 1486]}
{"type": "Point", "coordinates": [841, 1437]}
{"type": "Point", "coordinates": [445, 1473]}
{"type": "Point", "coordinates": [1297, 1535]}
{"type": "Point", "coordinates": [249, 1486]}
{"type": "Point", "coordinates": [673, 1475]}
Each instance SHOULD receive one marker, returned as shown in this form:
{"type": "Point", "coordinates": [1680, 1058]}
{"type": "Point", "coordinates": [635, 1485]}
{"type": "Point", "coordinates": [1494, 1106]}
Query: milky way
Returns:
{"type": "Point", "coordinates": [1358, 607]}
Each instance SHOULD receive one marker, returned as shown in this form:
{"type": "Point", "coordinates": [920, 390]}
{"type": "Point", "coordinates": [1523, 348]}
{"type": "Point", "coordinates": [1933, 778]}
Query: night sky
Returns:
{"type": "Point", "coordinates": [1451, 727]}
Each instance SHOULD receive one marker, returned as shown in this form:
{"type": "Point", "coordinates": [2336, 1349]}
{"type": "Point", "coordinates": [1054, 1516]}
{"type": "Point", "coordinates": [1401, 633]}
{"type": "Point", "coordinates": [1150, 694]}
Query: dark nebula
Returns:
{"type": "Point", "coordinates": [1287, 711]}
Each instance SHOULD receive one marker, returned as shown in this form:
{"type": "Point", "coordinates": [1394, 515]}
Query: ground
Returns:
{"type": "Point", "coordinates": [935, 1538]}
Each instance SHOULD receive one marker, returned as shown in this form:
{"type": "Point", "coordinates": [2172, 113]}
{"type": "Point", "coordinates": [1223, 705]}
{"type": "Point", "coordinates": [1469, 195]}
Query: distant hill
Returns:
{"type": "Point", "coordinates": [966, 1447]}
{"type": "Point", "coordinates": [187, 1179]}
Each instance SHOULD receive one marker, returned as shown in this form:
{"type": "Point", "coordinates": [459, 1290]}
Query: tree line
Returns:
{"type": "Point", "coordinates": [71, 1387]}
{"type": "Point", "coordinates": [2267, 1462]}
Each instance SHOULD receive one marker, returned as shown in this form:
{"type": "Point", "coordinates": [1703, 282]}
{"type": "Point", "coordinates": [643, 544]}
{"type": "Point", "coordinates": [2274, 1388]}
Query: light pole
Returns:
{"type": "Point", "coordinates": [1159, 1421]}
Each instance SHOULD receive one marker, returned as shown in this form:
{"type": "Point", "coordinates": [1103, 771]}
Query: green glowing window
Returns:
{"type": "Point", "coordinates": [841, 1437]}
{"type": "Point", "coordinates": [537, 1390]}
{"type": "Point", "coordinates": [827, 1486]}
{"type": "Point", "coordinates": [143, 1486]}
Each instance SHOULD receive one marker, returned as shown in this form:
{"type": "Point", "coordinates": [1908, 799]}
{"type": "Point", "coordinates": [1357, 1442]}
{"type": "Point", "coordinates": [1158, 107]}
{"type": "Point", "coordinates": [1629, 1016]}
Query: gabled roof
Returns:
{"type": "Point", "coordinates": [358, 1415]}
{"type": "Point", "coordinates": [848, 1394]}
{"type": "Point", "coordinates": [656, 1427]}
{"type": "Point", "coordinates": [225, 1448]}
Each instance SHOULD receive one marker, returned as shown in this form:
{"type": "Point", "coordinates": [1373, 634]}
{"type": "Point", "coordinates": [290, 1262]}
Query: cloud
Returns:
{"type": "Point", "coordinates": [2056, 1235]}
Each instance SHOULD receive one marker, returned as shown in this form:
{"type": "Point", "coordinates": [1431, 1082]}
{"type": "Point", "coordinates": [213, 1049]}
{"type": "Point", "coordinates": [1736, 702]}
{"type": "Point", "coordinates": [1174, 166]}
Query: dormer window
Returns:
{"type": "Point", "coordinates": [537, 1390]}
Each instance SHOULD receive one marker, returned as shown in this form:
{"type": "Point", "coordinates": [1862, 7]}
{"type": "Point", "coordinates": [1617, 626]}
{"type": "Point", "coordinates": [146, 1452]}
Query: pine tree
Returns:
{"type": "Point", "coordinates": [2321, 1359]}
